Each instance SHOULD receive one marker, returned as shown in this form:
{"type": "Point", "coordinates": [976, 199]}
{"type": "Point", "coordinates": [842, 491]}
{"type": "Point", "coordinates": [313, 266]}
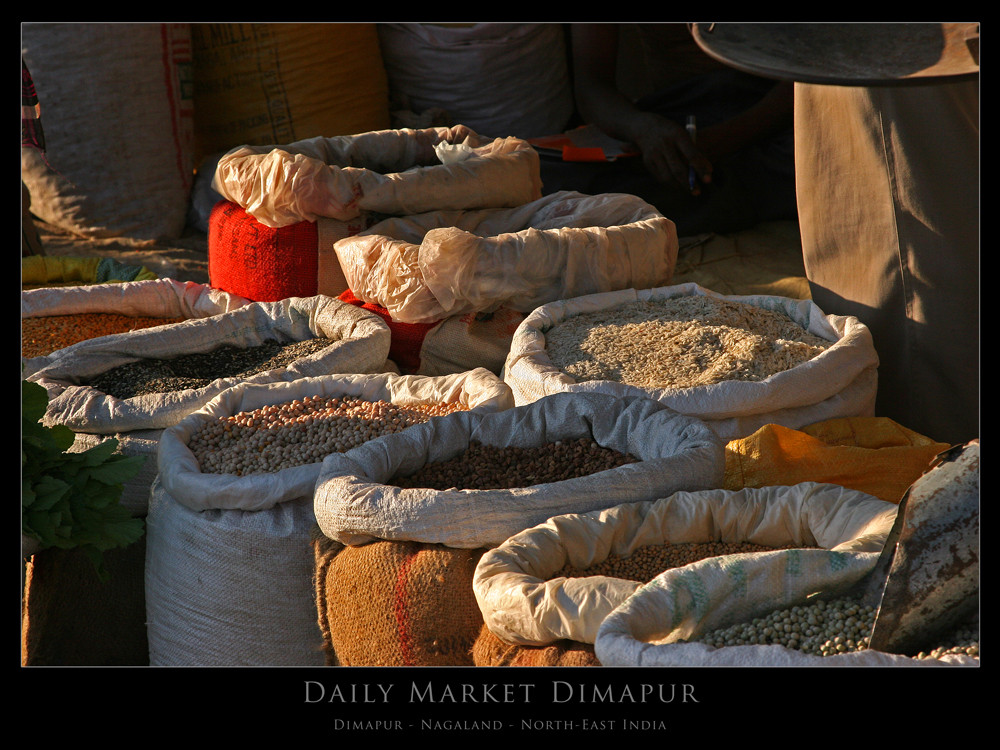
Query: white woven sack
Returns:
{"type": "Point", "coordinates": [497, 78]}
{"type": "Point", "coordinates": [228, 564]}
{"type": "Point", "coordinates": [840, 382]}
{"type": "Point", "coordinates": [118, 118]}
{"type": "Point", "coordinates": [683, 603]}
{"type": "Point", "coordinates": [567, 244]}
{"type": "Point", "coordinates": [523, 603]}
{"type": "Point", "coordinates": [362, 345]}
{"type": "Point", "coordinates": [395, 172]}
{"type": "Point", "coordinates": [354, 505]}
{"type": "Point", "coordinates": [156, 298]}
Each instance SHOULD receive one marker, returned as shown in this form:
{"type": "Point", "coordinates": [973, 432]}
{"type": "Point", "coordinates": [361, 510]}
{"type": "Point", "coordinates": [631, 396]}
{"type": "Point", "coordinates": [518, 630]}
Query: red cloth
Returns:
{"type": "Point", "coordinates": [407, 338]}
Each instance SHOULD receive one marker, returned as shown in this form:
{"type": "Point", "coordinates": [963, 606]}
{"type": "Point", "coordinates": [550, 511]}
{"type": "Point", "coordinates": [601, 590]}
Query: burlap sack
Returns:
{"type": "Point", "coordinates": [71, 618]}
{"type": "Point", "coordinates": [395, 604]}
{"type": "Point", "coordinates": [490, 651]}
{"type": "Point", "coordinates": [840, 382]}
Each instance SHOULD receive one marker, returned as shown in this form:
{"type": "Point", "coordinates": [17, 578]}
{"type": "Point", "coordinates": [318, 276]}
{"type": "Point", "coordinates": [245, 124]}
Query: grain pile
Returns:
{"type": "Point", "coordinates": [647, 562]}
{"type": "Point", "coordinates": [486, 467]}
{"type": "Point", "coordinates": [680, 343]}
{"type": "Point", "coordinates": [147, 376]}
{"type": "Point", "coordinates": [826, 628]}
{"type": "Point", "coordinates": [44, 334]}
{"type": "Point", "coordinates": [301, 431]}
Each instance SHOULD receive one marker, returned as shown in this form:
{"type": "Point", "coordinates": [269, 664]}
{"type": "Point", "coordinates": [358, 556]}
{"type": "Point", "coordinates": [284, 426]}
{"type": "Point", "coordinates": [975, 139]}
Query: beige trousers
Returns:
{"type": "Point", "coordinates": [887, 182]}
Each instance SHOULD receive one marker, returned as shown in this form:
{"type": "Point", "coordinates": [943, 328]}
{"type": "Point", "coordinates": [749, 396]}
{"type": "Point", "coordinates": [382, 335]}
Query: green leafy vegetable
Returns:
{"type": "Point", "coordinates": [72, 499]}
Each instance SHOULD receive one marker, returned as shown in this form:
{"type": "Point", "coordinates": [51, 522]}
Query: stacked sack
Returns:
{"type": "Point", "coordinates": [417, 546]}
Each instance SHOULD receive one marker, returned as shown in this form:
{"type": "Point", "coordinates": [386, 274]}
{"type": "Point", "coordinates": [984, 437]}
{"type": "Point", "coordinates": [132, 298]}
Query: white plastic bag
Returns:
{"type": "Point", "coordinates": [523, 603]}
{"type": "Point", "coordinates": [445, 263]}
{"type": "Point", "coordinates": [229, 565]}
{"type": "Point", "coordinates": [354, 505]}
{"type": "Point", "coordinates": [839, 382]}
{"type": "Point", "coordinates": [395, 172]}
{"type": "Point", "coordinates": [361, 344]}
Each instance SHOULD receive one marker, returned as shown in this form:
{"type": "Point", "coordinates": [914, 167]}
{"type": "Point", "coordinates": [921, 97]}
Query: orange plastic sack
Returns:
{"type": "Point", "coordinates": [874, 455]}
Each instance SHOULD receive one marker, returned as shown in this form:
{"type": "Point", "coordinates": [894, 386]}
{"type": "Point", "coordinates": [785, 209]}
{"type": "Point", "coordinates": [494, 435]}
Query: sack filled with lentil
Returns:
{"type": "Point", "coordinates": [422, 268]}
{"type": "Point", "coordinates": [561, 578]}
{"type": "Point", "coordinates": [736, 362]}
{"type": "Point", "coordinates": [229, 566]}
{"type": "Point", "coordinates": [560, 454]}
{"type": "Point", "coordinates": [55, 318]}
{"type": "Point", "coordinates": [791, 607]}
{"type": "Point", "coordinates": [151, 379]}
{"type": "Point", "coordinates": [394, 172]}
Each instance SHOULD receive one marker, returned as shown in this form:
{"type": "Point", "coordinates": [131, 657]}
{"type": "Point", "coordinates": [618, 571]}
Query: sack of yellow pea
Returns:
{"type": "Point", "coordinates": [874, 455]}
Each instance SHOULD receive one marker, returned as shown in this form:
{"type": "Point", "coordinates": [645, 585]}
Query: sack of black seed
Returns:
{"type": "Point", "coordinates": [787, 607]}
{"type": "Point", "coordinates": [151, 379]}
{"type": "Point", "coordinates": [738, 362]}
{"type": "Point", "coordinates": [229, 566]}
{"type": "Point", "coordinates": [560, 579]}
{"type": "Point", "coordinates": [473, 480]}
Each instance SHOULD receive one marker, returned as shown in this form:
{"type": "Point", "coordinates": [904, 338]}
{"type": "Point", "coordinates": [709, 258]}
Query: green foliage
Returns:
{"type": "Point", "coordinates": [72, 499]}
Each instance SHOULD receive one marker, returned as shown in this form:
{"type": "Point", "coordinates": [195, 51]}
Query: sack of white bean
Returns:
{"type": "Point", "coordinates": [394, 172]}
{"type": "Point", "coordinates": [229, 566]}
{"type": "Point", "coordinates": [530, 593]}
{"type": "Point", "coordinates": [153, 378]}
{"type": "Point", "coordinates": [736, 362]}
{"type": "Point", "coordinates": [422, 268]}
{"type": "Point", "coordinates": [788, 607]}
{"type": "Point", "coordinates": [371, 492]}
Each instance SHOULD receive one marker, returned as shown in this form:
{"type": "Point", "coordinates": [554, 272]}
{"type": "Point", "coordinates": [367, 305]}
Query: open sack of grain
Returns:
{"type": "Point", "coordinates": [229, 567]}
{"type": "Point", "coordinates": [422, 268]}
{"type": "Point", "coordinates": [562, 578]}
{"type": "Point", "coordinates": [512, 469]}
{"type": "Point", "coordinates": [395, 172]}
{"type": "Point", "coordinates": [736, 362]}
{"type": "Point", "coordinates": [789, 607]}
{"type": "Point", "coordinates": [153, 378]}
{"type": "Point", "coordinates": [54, 319]}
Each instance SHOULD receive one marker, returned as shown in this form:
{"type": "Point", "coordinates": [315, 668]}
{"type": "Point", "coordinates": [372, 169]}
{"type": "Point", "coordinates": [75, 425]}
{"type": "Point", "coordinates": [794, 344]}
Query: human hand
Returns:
{"type": "Point", "coordinates": [670, 154]}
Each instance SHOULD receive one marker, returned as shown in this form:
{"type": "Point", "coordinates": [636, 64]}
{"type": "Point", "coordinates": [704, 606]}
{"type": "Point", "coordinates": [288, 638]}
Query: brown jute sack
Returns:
{"type": "Point", "coordinates": [490, 651]}
{"type": "Point", "coordinates": [389, 604]}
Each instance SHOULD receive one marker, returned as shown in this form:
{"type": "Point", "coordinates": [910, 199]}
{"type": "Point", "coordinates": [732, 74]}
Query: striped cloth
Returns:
{"type": "Point", "coordinates": [31, 118]}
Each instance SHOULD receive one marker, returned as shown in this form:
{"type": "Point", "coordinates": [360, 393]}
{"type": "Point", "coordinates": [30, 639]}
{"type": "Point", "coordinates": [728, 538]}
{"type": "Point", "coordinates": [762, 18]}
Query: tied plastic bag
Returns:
{"type": "Point", "coordinates": [394, 172]}
{"type": "Point", "coordinates": [524, 603]}
{"type": "Point", "coordinates": [439, 264]}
